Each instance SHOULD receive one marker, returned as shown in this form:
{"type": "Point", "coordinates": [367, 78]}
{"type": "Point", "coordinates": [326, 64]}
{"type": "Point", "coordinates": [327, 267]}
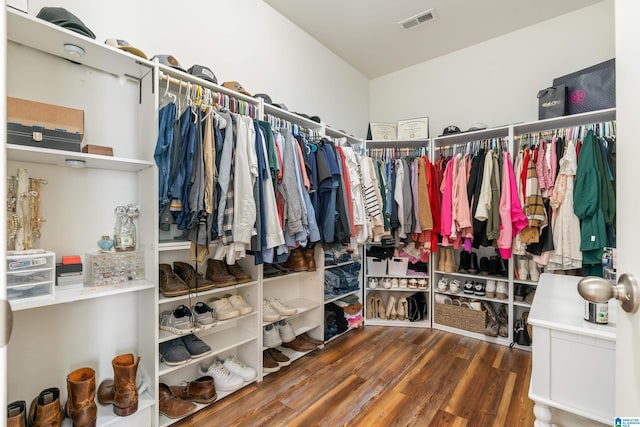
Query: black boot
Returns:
{"type": "Point", "coordinates": [465, 262]}
{"type": "Point", "coordinates": [473, 264]}
{"type": "Point", "coordinates": [493, 266]}
{"type": "Point", "coordinates": [484, 266]}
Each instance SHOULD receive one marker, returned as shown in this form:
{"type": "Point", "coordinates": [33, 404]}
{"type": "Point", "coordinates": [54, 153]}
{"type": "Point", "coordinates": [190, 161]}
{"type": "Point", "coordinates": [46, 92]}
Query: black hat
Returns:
{"type": "Point", "coordinates": [203, 72]}
{"type": "Point", "coordinates": [170, 61]}
{"type": "Point", "coordinates": [264, 96]}
{"type": "Point", "coordinates": [64, 18]}
{"type": "Point", "coordinates": [476, 126]}
{"type": "Point", "coordinates": [450, 130]}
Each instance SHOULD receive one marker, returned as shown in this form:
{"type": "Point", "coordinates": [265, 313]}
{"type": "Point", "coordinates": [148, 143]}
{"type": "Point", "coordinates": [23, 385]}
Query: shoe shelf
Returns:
{"type": "Point", "coordinates": [412, 290]}
{"type": "Point", "coordinates": [399, 276]}
{"type": "Point", "coordinates": [227, 289]}
{"type": "Point", "coordinates": [496, 340]}
{"type": "Point", "coordinates": [79, 294]}
{"type": "Point", "coordinates": [473, 296]}
{"type": "Point", "coordinates": [342, 264]}
{"type": "Point", "coordinates": [289, 276]}
{"type": "Point", "coordinates": [525, 282]}
{"type": "Point", "coordinates": [294, 355]}
{"type": "Point", "coordinates": [299, 330]}
{"type": "Point", "coordinates": [106, 417]}
{"type": "Point", "coordinates": [474, 276]}
{"type": "Point", "coordinates": [337, 297]}
{"type": "Point", "coordinates": [336, 336]}
{"type": "Point", "coordinates": [522, 304]}
{"type": "Point", "coordinates": [165, 335]}
{"type": "Point", "coordinates": [401, 323]}
{"type": "Point", "coordinates": [219, 343]}
{"type": "Point", "coordinates": [303, 305]}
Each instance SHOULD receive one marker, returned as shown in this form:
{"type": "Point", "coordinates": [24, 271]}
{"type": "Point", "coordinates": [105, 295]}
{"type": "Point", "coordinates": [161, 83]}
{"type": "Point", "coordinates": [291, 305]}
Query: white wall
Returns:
{"type": "Point", "coordinates": [242, 40]}
{"type": "Point", "coordinates": [496, 82]}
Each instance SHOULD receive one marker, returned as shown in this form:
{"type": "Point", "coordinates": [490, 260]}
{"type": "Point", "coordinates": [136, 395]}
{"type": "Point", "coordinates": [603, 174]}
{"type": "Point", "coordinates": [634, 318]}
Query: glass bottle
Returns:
{"type": "Point", "coordinates": [125, 238]}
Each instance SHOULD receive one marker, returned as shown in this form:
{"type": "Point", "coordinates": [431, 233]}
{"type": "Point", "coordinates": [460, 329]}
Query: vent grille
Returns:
{"type": "Point", "coordinates": [421, 18]}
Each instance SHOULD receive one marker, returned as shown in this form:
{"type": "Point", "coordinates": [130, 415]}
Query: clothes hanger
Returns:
{"type": "Point", "coordinates": [168, 94]}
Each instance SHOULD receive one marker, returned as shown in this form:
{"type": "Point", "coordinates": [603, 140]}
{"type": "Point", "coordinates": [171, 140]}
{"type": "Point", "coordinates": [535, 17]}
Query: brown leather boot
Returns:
{"type": "Point", "coordinates": [296, 261]}
{"type": "Point", "coordinates": [218, 274]}
{"type": "Point", "coordinates": [171, 406]}
{"type": "Point", "coordinates": [310, 258]}
{"type": "Point", "coordinates": [81, 394]}
{"type": "Point", "coordinates": [236, 271]}
{"type": "Point", "coordinates": [202, 390]}
{"type": "Point", "coordinates": [121, 391]}
{"type": "Point", "coordinates": [170, 284]}
{"type": "Point", "coordinates": [45, 410]}
{"type": "Point", "coordinates": [194, 281]}
{"type": "Point", "coordinates": [17, 414]}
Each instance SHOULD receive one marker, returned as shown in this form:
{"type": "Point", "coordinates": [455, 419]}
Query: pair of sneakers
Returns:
{"type": "Point", "coordinates": [453, 286]}
{"type": "Point", "coordinates": [183, 349]}
{"type": "Point", "coordinates": [230, 306]}
{"type": "Point", "coordinates": [229, 374]}
{"type": "Point", "coordinates": [184, 320]}
{"type": "Point", "coordinates": [274, 309]}
{"type": "Point", "coordinates": [276, 334]}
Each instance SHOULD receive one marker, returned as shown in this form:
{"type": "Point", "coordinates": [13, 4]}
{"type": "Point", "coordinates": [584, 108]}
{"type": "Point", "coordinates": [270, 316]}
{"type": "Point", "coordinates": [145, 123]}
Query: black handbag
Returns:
{"type": "Point", "coordinates": [417, 307]}
{"type": "Point", "coordinates": [521, 333]}
{"type": "Point", "coordinates": [552, 102]}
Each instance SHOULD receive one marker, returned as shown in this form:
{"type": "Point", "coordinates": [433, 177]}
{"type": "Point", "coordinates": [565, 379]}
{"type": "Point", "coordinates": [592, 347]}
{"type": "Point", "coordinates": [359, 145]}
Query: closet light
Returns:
{"type": "Point", "coordinates": [73, 50]}
{"type": "Point", "coordinates": [74, 163]}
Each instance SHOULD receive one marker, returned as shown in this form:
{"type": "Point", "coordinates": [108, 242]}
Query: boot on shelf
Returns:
{"type": "Point", "coordinates": [450, 261]}
{"type": "Point", "coordinates": [523, 268]}
{"type": "Point", "coordinates": [121, 391]}
{"type": "Point", "coordinates": [170, 284]}
{"type": "Point", "coordinates": [17, 414]}
{"type": "Point", "coordinates": [45, 410]}
{"type": "Point", "coordinates": [380, 311]}
{"type": "Point", "coordinates": [534, 273]}
{"type": "Point", "coordinates": [392, 313]}
{"type": "Point", "coordinates": [442, 258]}
{"type": "Point", "coordinates": [371, 308]}
{"type": "Point", "coordinates": [403, 308]}
{"type": "Point", "coordinates": [218, 275]}
{"type": "Point", "coordinates": [296, 261]}
{"type": "Point", "coordinates": [81, 394]}
{"type": "Point", "coordinates": [465, 262]}
{"type": "Point", "coordinates": [188, 274]}
{"type": "Point", "coordinates": [310, 258]}
{"type": "Point", "coordinates": [473, 261]}
{"type": "Point", "coordinates": [503, 321]}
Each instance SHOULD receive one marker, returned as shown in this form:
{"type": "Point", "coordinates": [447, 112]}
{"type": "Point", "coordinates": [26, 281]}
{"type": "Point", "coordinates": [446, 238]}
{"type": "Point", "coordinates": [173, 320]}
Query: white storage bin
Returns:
{"type": "Point", "coordinates": [398, 266]}
{"type": "Point", "coordinates": [376, 266]}
{"type": "Point", "coordinates": [31, 275]}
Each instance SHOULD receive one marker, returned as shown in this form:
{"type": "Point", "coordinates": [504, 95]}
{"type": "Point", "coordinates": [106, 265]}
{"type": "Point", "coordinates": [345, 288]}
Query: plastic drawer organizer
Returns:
{"type": "Point", "coordinates": [30, 275]}
{"type": "Point", "coordinates": [110, 268]}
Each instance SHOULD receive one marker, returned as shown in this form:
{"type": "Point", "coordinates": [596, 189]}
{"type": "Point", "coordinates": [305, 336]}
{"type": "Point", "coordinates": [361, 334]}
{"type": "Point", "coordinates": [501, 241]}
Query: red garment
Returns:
{"type": "Point", "coordinates": [578, 148]}
{"type": "Point", "coordinates": [434, 200]}
{"type": "Point", "coordinates": [347, 185]}
{"type": "Point", "coordinates": [525, 166]}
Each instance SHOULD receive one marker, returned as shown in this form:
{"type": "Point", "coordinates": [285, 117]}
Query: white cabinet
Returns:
{"type": "Point", "coordinates": [87, 326]}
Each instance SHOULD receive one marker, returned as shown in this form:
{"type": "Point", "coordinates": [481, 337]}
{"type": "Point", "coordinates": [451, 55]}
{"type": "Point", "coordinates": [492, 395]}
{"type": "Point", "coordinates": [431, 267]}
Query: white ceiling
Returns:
{"type": "Point", "coordinates": [365, 33]}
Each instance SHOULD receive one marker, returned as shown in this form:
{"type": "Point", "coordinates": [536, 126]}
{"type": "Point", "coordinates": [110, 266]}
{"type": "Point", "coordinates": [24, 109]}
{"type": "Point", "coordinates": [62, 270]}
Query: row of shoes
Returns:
{"type": "Point", "coordinates": [181, 350]}
{"type": "Point", "coordinates": [274, 309]}
{"type": "Point", "coordinates": [490, 288]}
{"type": "Point", "coordinates": [185, 320]}
{"type": "Point", "coordinates": [47, 411]}
{"type": "Point", "coordinates": [299, 260]}
{"type": "Point", "coordinates": [469, 264]}
{"type": "Point", "coordinates": [183, 278]}
{"type": "Point", "coordinates": [401, 283]}
{"type": "Point", "coordinates": [272, 357]}
{"type": "Point", "coordinates": [497, 321]}
{"type": "Point", "coordinates": [471, 304]}
{"type": "Point", "coordinates": [527, 269]}
{"type": "Point", "coordinates": [524, 293]}
{"type": "Point", "coordinates": [229, 374]}
{"type": "Point", "coordinates": [393, 309]}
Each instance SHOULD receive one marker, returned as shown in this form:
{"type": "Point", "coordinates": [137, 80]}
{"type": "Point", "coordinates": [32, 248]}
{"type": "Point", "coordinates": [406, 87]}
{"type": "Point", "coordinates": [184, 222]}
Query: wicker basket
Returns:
{"type": "Point", "coordinates": [460, 317]}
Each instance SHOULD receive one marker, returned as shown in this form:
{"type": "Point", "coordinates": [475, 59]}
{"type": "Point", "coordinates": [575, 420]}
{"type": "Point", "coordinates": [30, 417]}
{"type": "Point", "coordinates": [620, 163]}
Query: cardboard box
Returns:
{"type": "Point", "coordinates": [98, 149]}
{"type": "Point", "coordinates": [46, 116]}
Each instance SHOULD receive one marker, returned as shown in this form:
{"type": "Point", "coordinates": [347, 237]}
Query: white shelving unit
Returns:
{"type": "Point", "coordinates": [356, 292]}
{"type": "Point", "coordinates": [87, 326]}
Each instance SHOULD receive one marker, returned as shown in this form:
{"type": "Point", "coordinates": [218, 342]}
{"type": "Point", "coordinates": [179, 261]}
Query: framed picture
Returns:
{"type": "Point", "coordinates": [383, 131]}
{"type": "Point", "coordinates": [413, 128]}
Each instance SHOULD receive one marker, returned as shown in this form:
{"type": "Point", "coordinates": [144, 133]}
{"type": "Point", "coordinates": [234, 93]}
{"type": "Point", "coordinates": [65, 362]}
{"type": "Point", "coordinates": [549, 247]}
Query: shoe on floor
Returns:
{"type": "Point", "coordinates": [204, 315]}
{"type": "Point", "coordinates": [271, 336]}
{"type": "Point", "coordinates": [282, 308]}
{"type": "Point", "coordinates": [224, 309]}
{"type": "Point", "coordinates": [286, 331]}
{"type": "Point", "coordinates": [279, 356]}
{"type": "Point", "coordinates": [235, 366]}
{"type": "Point", "coordinates": [224, 379]}
{"type": "Point", "coordinates": [174, 352]}
{"type": "Point", "coordinates": [178, 321]}
{"type": "Point", "coordinates": [195, 346]}
{"type": "Point", "coordinates": [268, 363]}
{"type": "Point", "coordinates": [240, 304]}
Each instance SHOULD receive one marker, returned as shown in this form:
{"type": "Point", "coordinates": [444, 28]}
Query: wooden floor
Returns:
{"type": "Point", "coordinates": [381, 376]}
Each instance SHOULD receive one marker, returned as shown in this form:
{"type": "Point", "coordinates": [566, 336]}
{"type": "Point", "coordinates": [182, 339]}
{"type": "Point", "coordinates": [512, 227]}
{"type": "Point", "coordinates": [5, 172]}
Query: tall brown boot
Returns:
{"type": "Point", "coordinates": [45, 410]}
{"type": "Point", "coordinates": [218, 274]}
{"type": "Point", "coordinates": [296, 261]}
{"type": "Point", "coordinates": [194, 280]}
{"type": "Point", "coordinates": [17, 414]}
{"type": "Point", "coordinates": [81, 391]}
{"type": "Point", "coordinates": [121, 391]}
{"type": "Point", "coordinates": [310, 258]}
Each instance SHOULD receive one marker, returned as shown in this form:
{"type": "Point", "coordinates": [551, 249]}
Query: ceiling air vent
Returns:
{"type": "Point", "coordinates": [421, 18]}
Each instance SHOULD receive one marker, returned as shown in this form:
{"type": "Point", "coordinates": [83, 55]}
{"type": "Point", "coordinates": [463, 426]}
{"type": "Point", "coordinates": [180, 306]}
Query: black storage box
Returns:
{"type": "Point", "coordinates": [35, 136]}
{"type": "Point", "coordinates": [592, 88]}
{"type": "Point", "coordinates": [552, 102]}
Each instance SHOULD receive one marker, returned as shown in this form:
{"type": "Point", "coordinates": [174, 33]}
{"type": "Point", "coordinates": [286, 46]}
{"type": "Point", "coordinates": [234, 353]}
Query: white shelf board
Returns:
{"type": "Point", "coordinates": [224, 340]}
{"type": "Point", "coordinates": [303, 305]}
{"type": "Point", "coordinates": [336, 298]}
{"type": "Point", "coordinates": [47, 156]}
{"type": "Point", "coordinates": [83, 293]}
{"type": "Point", "coordinates": [290, 117]}
{"type": "Point", "coordinates": [334, 133]}
{"type": "Point", "coordinates": [41, 35]}
{"type": "Point", "coordinates": [398, 323]}
{"type": "Point", "coordinates": [474, 276]}
{"type": "Point", "coordinates": [342, 264]}
{"type": "Point", "coordinates": [598, 116]}
{"type": "Point", "coordinates": [335, 337]}
{"type": "Point", "coordinates": [521, 304]}
{"type": "Point", "coordinates": [496, 340]}
{"type": "Point", "coordinates": [412, 290]}
{"type": "Point", "coordinates": [525, 282]}
{"type": "Point", "coordinates": [226, 289]}
{"type": "Point", "coordinates": [106, 417]}
{"type": "Point", "coordinates": [287, 276]}
{"type": "Point", "coordinates": [168, 336]}
{"type": "Point", "coordinates": [397, 143]}
{"type": "Point", "coordinates": [474, 296]}
{"type": "Point", "coordinates": [399, 276]}
{"type": "Point", "coordinates": [462, 137]}
{"type": "Point", "coordinates": [177, 77]}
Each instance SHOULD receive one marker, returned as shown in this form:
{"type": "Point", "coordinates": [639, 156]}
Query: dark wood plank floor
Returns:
{"type": "Point", "coordinates": [380, 376]}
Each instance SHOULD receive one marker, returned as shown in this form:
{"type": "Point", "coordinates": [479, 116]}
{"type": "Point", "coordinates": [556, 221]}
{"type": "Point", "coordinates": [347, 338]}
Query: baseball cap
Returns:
{"type": "Point", "coordinates": [126, 46]}
{"type": "Point", "coordinates": [63, 18]}
{"type": "Point", "coordinates": [170, 61]}
{"type": "Point", "coordinates": [476, 126]}
{"type": "Point", "coordinates": [203, 72]}
{"type": "Point", "coordinates": [233, 85]}
{"type": "Point", "coordinates": [264, 96]}
{"type": "Point", "coordinates": [450, 130]}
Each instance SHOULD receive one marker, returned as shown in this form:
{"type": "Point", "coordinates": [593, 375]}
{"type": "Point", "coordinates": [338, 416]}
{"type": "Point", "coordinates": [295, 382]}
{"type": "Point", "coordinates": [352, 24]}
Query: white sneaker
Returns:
{"type": "Point", "coordinates": [222, 377]}
{"type": "Point", "coordinates": [224, 309]}
{"type": "Point", "coordinates": [491, 288]}
{"type": "Point", "coordinates": [270, 336]}
{"type": "Point", "coordinates": [281, 308]}
{"type": "Point", "coordinates": [268, 313]}
{"type": "Point", "coordinates": [454, 287]}
{"type": "Point", "coordinates": [286, 331]}
{"type": "Point", "coordinates": [240, 304]}
{"type": "Point", "coordinates": [502, 290]}
{"type": "Point", "coordinates": [443, 285]}
{"type": "Point", "coordinates": [237, 367]}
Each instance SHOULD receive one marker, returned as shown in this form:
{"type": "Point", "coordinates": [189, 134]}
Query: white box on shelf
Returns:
{"type": "Point", "coordinates": [397, 266]}
{"type": "Point", "coordinates": [376, 266]}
